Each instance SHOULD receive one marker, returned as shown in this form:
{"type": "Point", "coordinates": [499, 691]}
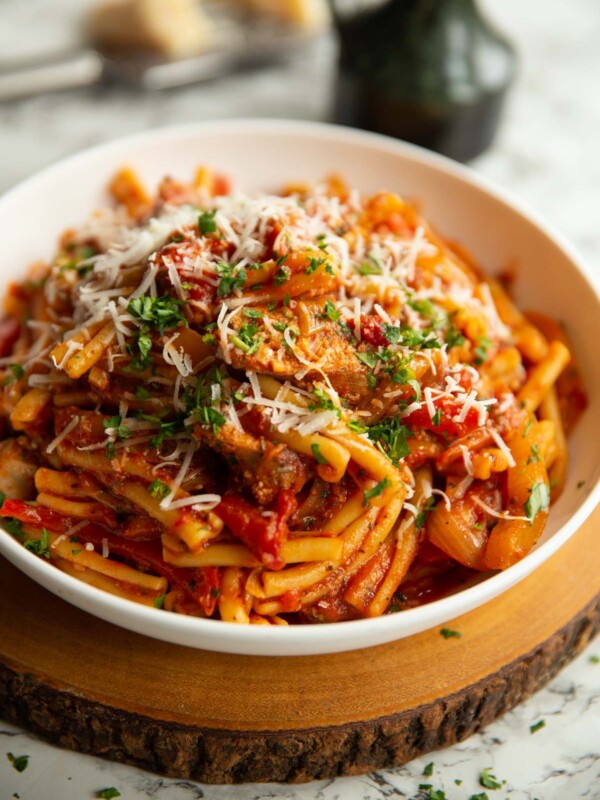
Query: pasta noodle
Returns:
{"type": "Point", "coordinates": [276, 409]}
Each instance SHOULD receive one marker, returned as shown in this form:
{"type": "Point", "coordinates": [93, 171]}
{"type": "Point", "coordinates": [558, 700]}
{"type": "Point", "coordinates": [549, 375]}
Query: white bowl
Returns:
{"type": "Point", "coordinates": [265, 154]}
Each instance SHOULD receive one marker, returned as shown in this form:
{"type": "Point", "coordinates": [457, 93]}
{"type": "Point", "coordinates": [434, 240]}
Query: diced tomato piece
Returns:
{"type": "Point", "coordinates": [448, 409]}
{"type": "Point", "coordinates": [37, 516]}
{"type": "Point", "coordinates": [371, 330]}
{"type": "Point", "coordinates": [262, 534]}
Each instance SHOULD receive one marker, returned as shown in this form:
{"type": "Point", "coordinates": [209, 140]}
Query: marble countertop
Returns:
{"type": "Point", "coordinates": [547, 154]}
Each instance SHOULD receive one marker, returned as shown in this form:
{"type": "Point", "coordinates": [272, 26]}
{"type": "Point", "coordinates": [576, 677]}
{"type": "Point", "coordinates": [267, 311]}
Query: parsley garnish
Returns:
{"type": "Point", "coordinates": [368, 359]}
{"type": "Point", "coordinates": [253, 313]}
{"type": "Point", "coordinates": [376, 491]}
{"type": "Point", "coordinates": [416, 340]}
{"type": "Point", "coordinates": [453, 337]}
{"type": "Point", "coordinates": [162, 313]}
{"type": "Point", "coordinates": [594, 659]}
{"type": "Point", "coordinates": [210, 416]}
{"type": "Point", "coordinates": [313, 265]}
{"type": "Point", "coordinates": [206, 222]}
{"type": "Point", "coordinates": [370, 267]}
{"type": "Point", "coordinates": [421, 517]}
{"type": "Point", "coordinates": [331, 312]}
{"type": "Point", "coordinates": [17, 373]}
{"type": "Point", "coordinates": [121, 431]}
{"type": "Point", "coordinates": [232, 278]}
{"type": "Point", "coordinates": [481, 351]}
{"type": "Point", "coordinates": [40, 547]}
{"type": "Point", "coordinates": [538, 726]}
{"type": "Point", "coordinates": [539, 500]}
{"type": "Point", "coordinates": [322, 401]}
{"type": "Point", "coordinates": [390, 436]}
{"type": "Point", "coordinates": [319, 457]}
{"type": "Point", "coordinates": [428, 771]}
{"type": "Point", "coordinates": [142, 393]}
{"type": "Point", "coordinates": [480, 796]}
{"type": "Point", "coordinates": [159, 601]}
{"type": "Point", "coordinates": [246, 339]}
{"type": "Point", "coordinates": [282, 275]}
{"type": "Point", "coordinates": [109, 794]}
{"type": "Point", "coordinates": [158, 489]}
{"type": "Point", "coordinates": [20, 763]}
{"type": "Point", "coordinates": [489, 780]}
{"type": "Point", "coordinates": [448, 633]}
{"type": "Point", "coordinates": [437, 418]}
{"type": "Point", "coordinates": [535, 457]}
{"type": "Point", "coordinates": [417, 389]}
{"type": "Point", "coordinates": [13, 526]}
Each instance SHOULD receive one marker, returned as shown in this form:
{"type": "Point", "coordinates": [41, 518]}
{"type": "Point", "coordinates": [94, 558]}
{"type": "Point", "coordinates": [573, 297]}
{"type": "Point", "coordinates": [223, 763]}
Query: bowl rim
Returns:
{"type": "Point", "coordinates": [251, 639]}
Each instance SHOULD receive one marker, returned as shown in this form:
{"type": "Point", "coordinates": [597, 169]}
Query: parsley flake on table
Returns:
{"type": "Point", "coordinates": [448, 633]}
{"type": "Point", "coordinates": [489, 780]}
{"type": "Point", "coordinates": [20, 763]}
{"type": "Point", "coordinates": [538, 726]}
{"type": "Point", "coordinates": [428, 771]}
{"type": "Point", "coordinates": [109, 793]}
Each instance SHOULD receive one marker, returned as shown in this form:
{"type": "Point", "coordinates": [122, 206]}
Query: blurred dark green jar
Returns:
{"type": "Point", "coordinates": [432, 72]}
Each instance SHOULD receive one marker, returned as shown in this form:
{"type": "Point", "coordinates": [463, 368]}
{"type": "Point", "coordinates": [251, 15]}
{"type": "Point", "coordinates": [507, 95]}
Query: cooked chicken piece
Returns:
{"type": "Point", "coordinates": [287, 341]}
{"type": "Point", "coordinates": [265, 468]}
{"type": "Point", "coordinates": [17, 469]}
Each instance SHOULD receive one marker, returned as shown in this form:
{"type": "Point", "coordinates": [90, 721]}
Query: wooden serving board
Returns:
{"type": "Point", "coordinates": [87, 685]}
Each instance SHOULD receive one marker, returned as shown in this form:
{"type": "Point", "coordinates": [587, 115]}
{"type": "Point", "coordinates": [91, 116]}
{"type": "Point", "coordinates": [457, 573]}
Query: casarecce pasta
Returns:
{"type": "Point", "coordinates": [275, 409]}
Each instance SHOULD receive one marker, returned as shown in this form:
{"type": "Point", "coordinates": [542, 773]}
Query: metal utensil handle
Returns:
{"type": "Point", "coordinates": [71, 71]}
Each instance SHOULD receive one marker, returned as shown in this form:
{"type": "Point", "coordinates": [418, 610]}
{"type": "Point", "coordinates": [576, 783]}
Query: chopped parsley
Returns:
{"type": "Point", "coordinates": [20, 763]}
{"type": "Point", "coordinates": [370, 267]}
{"type": "Point", "coordinates": [163, 313]}
{"type": "Point", "coordinates": [253, 313]}
{"type": "Point", "coordinates": [158, 489]}
{"type": "Point", "coordinates": [376, 491]}
{"type": "Point", "coordinates": [437, 418]}
{"type": "Point", "coordinates": [539, 500]}
{"type": "Point", "coordinates": [481, 351]}
{"type": "Point", "coordinates": [13, 526]}
{"type": "Point", "coordinates": [231, 278]}
{"type": "Point", "coordinates": [159, 601]}
{"type": "Point", "coordinates": [428, 771]}
{"type": "Point", "coordinates": [594, 659]}
{"type": "Point", "coordinates": [206, 222]}
{"type": "Point", "coordinates": [319, 457]}
{"type": "Point", "coordinates": [247, 339]}
{"type": "Point", "coordinates": [322, 401]}
{"type": "Point", "coordinates": [368, 359]}
{"type": "Point", "coordinates": [416, 340]}
{"type": "Point", "coordinates": [480, 796]}
{"type": "Point", "coordinates": [40, 547]}
{"type": "Point", "coordinates": [448, 633]}
{"type": "Point", "coordinates": [108, 794]}
{"type": "Point", "coordinates": [331, 312]}
{"type": "Point", "coordinates": [538, 726]}
{"type": "Point", "coordinates": [453, 337]}
{"type": "Point", "coordinates": [115, 423]}
{"type": "Point", "coordinates": [142, 393]}
{"type": "Point", "coordinates": [282, 275]}
{"type": "Point", "coordinates": [416, 387]}
{"type": "Point", "coordinates": [390, 437]}
{"type": "Point", "coordinates": [17, 373]}
{"type": "Point", "coordinates": [210, 416]}
{"type": "Point", "coordinates": [421, 517]}
{"type": "Point", "coordinates": [535, 457]}
{"type": "Point", "coordinates": [489, 780]}
{"type": "Point", "coordinates": [313, 265]}
{"type": "Point", "coordinates": [429, 793]}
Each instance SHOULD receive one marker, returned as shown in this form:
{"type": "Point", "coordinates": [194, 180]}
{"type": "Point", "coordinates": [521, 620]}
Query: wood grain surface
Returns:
{"type": "Point", "coordinates": [97, 688]}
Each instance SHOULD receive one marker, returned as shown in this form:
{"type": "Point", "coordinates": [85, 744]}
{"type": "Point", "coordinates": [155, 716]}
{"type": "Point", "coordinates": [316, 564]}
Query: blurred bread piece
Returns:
{"type": "Point", "coordinates": [310, 15]}
{"type": "Point", "coordinates": [173, 28]}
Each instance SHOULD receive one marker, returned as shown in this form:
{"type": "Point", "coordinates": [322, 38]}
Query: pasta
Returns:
{"type": "Point", "coordinates": [276, 409]}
